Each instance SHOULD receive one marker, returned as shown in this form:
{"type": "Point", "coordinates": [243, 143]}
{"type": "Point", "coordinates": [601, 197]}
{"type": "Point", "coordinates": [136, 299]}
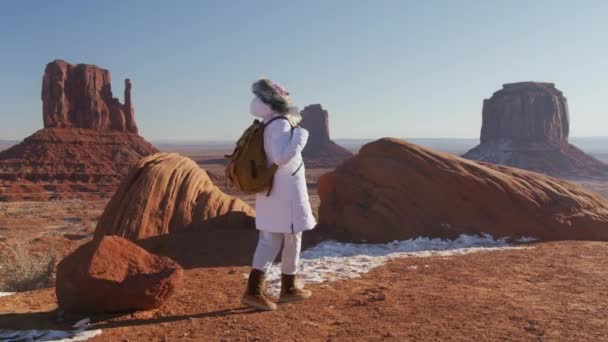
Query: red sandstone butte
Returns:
{"type": "Point", "coordinates": [320, 150]}
{"type": "Point", "coordinates": [80, 96]}
{"type": "Point", "coordinates": [88, 142]}
{"type": "Point", "coordinates": [526, 125]}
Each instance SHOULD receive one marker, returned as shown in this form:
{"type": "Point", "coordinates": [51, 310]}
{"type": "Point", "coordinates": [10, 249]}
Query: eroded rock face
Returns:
{"type": "Point", "coordinates": [320, 151]}
{"type": "Point", "coordinates": [526, 125]}
{"type": "Point", "coordinates": [113, 275]}
{"type": "Point", "coordinates": [80, 96]}
{"type": "Point", "coordinates": [393, 190]}
{"type": "Point", "coordinates": [165, 193]}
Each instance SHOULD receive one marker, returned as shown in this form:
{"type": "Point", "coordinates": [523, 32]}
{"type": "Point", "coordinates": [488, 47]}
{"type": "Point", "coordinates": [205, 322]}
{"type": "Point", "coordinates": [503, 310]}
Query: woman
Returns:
{"type": "Point", "coordinates": [283, 213]}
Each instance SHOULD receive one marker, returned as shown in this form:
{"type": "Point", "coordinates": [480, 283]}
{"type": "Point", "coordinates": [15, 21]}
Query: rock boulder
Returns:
{"type": "Point", "coordinates": [164, 193]}
{"type": "Point", "coordinates": [114, 275]}
{"type": "Point", "coordinates": [394, 190]}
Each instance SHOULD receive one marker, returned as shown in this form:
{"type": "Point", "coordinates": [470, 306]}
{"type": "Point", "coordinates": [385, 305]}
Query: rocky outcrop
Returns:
{"type": "Point", "coordinates": [526, 125]}
{"type": "Point", "coordinates": [164, 193]}
{"type": "Point", "coordinates": [114, 275]}
{"type": "Point", "coordinates": [320, 151]}
{"type": "Point", "coordinates": [393, 190]}
{"type": "Point", "coordinates": [73, 155]}
{"type": "Point", "coordinates": [80, 96]}
{"type": "Point", "coordinates": [88, 143]}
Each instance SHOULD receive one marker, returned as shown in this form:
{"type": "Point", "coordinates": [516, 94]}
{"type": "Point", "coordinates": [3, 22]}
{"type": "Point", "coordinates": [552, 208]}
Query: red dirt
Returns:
{"type": "Point", "coordinates": [553, 291]}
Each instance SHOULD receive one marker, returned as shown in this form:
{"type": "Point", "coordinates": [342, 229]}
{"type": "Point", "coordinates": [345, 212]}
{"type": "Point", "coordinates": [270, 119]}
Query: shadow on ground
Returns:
{"type": "Point", "coordinates": [47, 320]}
{"type": "Point", "coordinates": [215, 246]}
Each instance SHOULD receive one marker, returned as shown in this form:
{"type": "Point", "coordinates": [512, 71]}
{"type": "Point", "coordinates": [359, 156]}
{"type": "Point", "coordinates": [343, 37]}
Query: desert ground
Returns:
{"type": "Point", "coordinates": [535, 292]}
{"type": "Point", "coordinates": [548, 292]}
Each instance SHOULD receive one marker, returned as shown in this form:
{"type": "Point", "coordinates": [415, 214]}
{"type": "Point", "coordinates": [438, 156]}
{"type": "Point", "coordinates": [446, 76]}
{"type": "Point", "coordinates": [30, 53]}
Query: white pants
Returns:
{"type": "Point", "coordinates": [269, 246]}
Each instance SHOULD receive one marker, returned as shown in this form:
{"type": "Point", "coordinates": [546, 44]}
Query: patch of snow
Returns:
{"type": "Point", "coordinates": [48, 335]}
{"type": "Point", "coordinates": [330, 261]}
{"type": "Point", "coordinates": [82, 323]}
{"type": "Point", "coordinates": [526, 239]}
{"type": "Point", "coordinates": [4, 294]}
{"type": "Point", "coordinates": [80, 334]}
{"type": "Point", "coordinates": [83, 336]}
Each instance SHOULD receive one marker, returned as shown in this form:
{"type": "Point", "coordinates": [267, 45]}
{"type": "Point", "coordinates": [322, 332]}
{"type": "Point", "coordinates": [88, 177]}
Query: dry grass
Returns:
{"type": "Point", "coordinates": [23, 270]}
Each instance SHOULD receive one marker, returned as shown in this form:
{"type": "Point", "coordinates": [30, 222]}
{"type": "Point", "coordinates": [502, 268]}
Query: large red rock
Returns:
{"type": "Point", "coordinates": [526, 125]}
{"type": "Point", "coordinates": [320, 151]}
{"type": "Point", "coordinates": [88, 143]}
{"type": "Point", "coordinates": [80, 96]}
{"type": "Point", "coordinates": [114, 275]}
{"type": "Point", "coordinates": [165, 193]}
{"type": "Point", "coordinates": [394, 190]}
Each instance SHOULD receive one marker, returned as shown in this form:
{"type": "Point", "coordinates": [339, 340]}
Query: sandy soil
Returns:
{"type": "Point", "coordinates": [553, 291]}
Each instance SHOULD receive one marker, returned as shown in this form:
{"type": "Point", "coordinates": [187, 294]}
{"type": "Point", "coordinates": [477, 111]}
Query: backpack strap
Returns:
{"type": "Point", "coordinates": [280, 117]}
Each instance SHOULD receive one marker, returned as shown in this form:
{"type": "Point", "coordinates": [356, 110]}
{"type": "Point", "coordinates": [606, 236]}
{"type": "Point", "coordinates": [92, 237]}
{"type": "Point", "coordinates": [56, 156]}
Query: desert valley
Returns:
{"type": "Point", "coordinates": [430, 239]}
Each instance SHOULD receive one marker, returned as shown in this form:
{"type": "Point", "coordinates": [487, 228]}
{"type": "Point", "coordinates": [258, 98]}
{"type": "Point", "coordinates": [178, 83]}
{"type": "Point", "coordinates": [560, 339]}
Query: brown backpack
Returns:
{"type": "Point", "coordinates": [246, 169]}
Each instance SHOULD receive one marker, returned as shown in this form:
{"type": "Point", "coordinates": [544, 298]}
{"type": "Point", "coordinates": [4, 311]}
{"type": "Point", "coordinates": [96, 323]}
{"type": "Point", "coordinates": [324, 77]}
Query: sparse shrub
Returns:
{"type": "Point", "coordinates": [22, 270]}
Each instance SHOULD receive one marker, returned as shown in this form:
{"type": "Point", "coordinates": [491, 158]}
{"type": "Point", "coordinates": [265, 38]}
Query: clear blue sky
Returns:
{"type": "Point", "coordinates": [383, 68]}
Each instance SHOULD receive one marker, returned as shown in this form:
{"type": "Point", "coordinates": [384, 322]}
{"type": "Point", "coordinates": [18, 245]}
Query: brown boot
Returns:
{"type": "Point", "coordinates": [290, 292]}
{"type": "Point", "coordinates": [254, 296]}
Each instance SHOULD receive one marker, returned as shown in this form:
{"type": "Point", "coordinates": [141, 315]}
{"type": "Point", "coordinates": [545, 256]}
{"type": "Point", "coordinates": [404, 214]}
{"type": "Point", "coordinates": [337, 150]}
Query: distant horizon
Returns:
{"type": "Point", "coordinates": [397, 68]}
{"type": "Point", "coordinates": [178, 141]}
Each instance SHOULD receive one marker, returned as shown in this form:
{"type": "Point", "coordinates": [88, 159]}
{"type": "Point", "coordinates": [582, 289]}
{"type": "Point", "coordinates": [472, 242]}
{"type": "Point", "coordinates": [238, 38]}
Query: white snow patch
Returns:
{"type": "Point", "coordinates": [4, 294]}
{"type": "Point", "coordinates": [330, 261]}
{"type": "Point", "coordinates": [525, 239]}
{"type": "Point", "coordinates": [83, 336]}
{"type": "Point", "coordinates": [48, 335]}
{"type": "Point", "coordinates": [80, 334]}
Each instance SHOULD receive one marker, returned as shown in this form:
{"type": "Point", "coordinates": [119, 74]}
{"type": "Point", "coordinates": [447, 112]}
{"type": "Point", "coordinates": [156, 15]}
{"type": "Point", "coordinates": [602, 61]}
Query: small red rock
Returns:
{"type": "Point", "coordinates": [113, 275]}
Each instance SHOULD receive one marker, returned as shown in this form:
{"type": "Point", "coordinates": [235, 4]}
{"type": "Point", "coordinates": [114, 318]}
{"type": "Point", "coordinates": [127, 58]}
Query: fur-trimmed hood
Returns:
{"type": "Point", "coordinates": [272, 99]}
{"type": "Point", "coordinates": [272, 94]}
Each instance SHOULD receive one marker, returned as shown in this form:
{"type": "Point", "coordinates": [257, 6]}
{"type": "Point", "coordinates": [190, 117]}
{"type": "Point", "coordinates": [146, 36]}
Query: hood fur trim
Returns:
{"type": "Point", "coordinates": [276, 97]}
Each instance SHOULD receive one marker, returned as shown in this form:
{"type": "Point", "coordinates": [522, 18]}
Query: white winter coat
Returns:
{"type": "Point", "coordinates": [287, 209]}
